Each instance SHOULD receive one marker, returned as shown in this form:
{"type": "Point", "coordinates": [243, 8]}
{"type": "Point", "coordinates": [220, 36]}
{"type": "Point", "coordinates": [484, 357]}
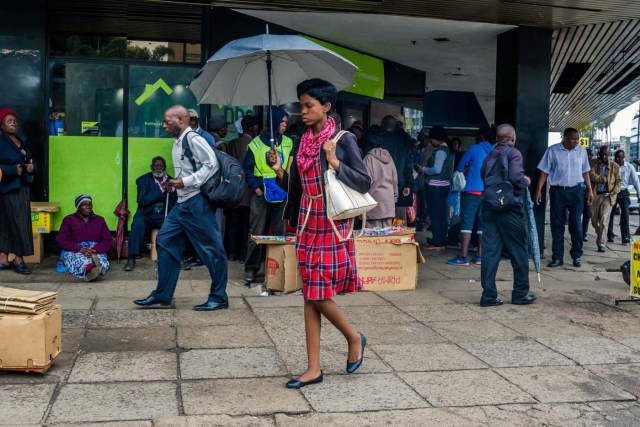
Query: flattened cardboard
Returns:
{"type": "Point", "coordinates": [45, 206]}
{"type": "Point", "coordinates": [30, 342]}
{"type": "Point", "coordinates": [281, 266]}
{"type": "Point", "coordinates": [388, 263]}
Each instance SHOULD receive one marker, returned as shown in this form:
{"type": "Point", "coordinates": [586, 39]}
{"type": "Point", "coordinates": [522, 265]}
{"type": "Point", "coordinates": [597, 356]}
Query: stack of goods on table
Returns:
{"type": "Point", "coordinates": [30, 329]}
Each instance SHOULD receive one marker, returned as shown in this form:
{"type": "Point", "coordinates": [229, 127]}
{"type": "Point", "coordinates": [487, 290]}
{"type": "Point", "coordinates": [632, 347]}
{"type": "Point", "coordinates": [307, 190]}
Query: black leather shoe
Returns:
{"type": "Point", "coordinates": [353, 366]}
{"type": "Point", "coordinates": [249, 276]}
{"type": "Point", "coordinates": [150, 301]}
{"type": "Point", "coordinates": [211, 306]}
{"type": "Point", "coordinates": [196, 262]}
{"type": "Point", "coordinates": [555, 263]}
{"type": "Point", "coordinates": [21, 268]}
{"type": "Point", "coordinates": [528, 299]}
{"type": "Point", "coordinates": [299, 384]}
{"type": "Point", "coordinates": [496, 302]}
{"type": "Point", "coordinates": [601, 248]}
{"type": "Point", "coordinates": [610, 240]}
{"type": "Point", "coordinates": [577, 262]}
{"type": "Point", "coordinates": [626, 241]}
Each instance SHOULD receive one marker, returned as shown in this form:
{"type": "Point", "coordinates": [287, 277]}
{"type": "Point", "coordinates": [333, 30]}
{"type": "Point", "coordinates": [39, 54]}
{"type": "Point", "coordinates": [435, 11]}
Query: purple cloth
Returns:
{"type": "Point", "coordinates": [74, 230]}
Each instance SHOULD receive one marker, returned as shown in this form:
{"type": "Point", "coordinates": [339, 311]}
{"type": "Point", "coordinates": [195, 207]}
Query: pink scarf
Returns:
{"type": "Point", "coordinates": [310, 148]}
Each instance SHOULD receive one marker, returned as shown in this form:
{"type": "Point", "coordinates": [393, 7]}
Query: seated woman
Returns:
{"type": "Point", "coordinates": [85, 239]}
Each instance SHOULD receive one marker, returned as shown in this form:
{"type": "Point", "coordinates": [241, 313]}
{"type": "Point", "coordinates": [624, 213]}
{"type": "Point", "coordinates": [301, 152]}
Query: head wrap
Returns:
{"type": "Point", "coordinates": [83, 198]}
{"type": "Point", "coordinates": [5, 112]}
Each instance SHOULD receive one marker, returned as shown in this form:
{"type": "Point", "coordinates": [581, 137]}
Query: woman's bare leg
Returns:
{"type": "Point", "coordinates": [336, 316]}
{"type": "Point", "coordinates": [312, 325]}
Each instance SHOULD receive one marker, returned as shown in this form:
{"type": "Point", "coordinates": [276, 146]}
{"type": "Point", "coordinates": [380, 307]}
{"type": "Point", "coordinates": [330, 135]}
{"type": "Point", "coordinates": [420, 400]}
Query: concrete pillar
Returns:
{"type": "Point", "coordinates": [523, 70]}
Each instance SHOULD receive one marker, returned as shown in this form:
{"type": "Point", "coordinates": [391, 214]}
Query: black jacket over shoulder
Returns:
{"type": "Point", "coordinates": [149, 195]}
{"type": "Point", "coordinates": [352, 172]}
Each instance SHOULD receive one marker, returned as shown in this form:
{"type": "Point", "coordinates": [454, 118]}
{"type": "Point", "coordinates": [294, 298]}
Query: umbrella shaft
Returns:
{"type": "Point", "coordinates": [269, 90]}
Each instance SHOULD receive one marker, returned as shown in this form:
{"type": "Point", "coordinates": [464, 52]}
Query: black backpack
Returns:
{"type": "Point", "coordinates": [226, 187]}
{"type": "Point", "coordinates": [498, 194]}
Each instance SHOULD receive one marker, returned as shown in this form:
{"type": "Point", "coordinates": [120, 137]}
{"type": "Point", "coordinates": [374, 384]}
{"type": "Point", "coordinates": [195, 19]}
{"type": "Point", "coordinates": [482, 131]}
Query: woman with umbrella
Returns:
{"type": "Point", "coordinates": [327, 266]}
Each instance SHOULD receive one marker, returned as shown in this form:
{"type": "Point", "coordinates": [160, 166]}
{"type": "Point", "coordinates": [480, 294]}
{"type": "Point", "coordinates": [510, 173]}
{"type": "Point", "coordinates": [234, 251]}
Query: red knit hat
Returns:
{"type": "Point", "coordinates": [5, 112]}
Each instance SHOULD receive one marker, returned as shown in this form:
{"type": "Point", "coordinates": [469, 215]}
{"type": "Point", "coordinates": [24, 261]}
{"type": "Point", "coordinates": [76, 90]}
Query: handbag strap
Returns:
{"type": "Point", "coordinates": [336, 138]}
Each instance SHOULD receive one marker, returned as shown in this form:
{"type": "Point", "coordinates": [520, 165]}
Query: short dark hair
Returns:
{"type": "Point", "coordinates": [319, 89]}
{"type": "Point", "coordinates": [485, 134]}
{"type": "Point", "coordinates": [618, 152]}
{"type": "Point", "coordinates": [567, 131]}
{"type": "Point", "coordinates": [164, 162]}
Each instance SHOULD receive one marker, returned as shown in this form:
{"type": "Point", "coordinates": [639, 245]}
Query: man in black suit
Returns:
{"type": "Point", "coordinates": [152, 207]}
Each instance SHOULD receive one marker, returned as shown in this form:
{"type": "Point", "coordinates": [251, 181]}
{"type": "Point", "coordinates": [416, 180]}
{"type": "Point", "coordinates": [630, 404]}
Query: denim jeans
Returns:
{"type": "Point", "coordinates": [195, 220]}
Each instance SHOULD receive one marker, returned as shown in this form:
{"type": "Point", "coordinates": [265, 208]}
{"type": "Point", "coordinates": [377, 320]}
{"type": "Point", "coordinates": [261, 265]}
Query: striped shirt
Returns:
{"type": "Point", "coordinates": [564, 167]}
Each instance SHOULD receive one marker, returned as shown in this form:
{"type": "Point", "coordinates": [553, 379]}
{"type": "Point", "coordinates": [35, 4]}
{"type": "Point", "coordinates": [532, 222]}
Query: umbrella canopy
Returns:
{"type": "Point", "coordinates": [122, 213]}
{"type": "Point", "coordinates": [534, 244]}
{"type": "Point", "coordinates": [238, 74]}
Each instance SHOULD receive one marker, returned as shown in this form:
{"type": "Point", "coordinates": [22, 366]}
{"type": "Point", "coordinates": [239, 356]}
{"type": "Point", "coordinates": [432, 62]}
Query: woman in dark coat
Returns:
{"type": "Point", "coordinates": [327, 265]}
{"type": "Point", "coordinates": [16, 165]}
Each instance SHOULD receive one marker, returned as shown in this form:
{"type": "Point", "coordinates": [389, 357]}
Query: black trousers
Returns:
{"type": "Point", "coordinates": [507, 231]}
{"type": "Point", "coordinates": [623, 201]}
{"type": "Point", "coordinates": [16, 235]}
{"type": "Point", "coordinates": [262, 214]}
{"type": "Point", "coordinates": [237, 232]}
{"type": "Point", "coordinates": [563, 199]}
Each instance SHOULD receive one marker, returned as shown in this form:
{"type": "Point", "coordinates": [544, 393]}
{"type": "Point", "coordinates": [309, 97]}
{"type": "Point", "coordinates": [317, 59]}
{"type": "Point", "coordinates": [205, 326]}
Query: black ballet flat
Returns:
{"type": "Point", "coordinates": [21, 268]}
{"type": "Point", "coordinates": [353, 366]}
{"type": "Point", "coordinates": [299, 384]}
{"type": "Point", "coordinates": [6, 267]}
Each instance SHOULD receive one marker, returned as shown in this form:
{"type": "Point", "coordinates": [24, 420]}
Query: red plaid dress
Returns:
{"type": "Point", "coordinates": [327, 266]}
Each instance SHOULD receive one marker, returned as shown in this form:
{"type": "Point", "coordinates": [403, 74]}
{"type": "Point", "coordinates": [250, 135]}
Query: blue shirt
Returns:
{"type": "Point", "coordinates": [207, 136]}
{"type": "Point", "coordinates": [564, 167]}
{"type": "Point", "coordinates": [474, 157]}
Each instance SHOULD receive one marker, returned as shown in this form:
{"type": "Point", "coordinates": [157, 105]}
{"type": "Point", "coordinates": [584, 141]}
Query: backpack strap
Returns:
{"type": "Point", "coordinates": [186, 150]}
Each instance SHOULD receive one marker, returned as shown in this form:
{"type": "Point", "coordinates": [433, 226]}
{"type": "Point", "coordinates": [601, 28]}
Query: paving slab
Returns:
{"type": "Point", "coordinates": [626, 376]}
{"type": "Point", "coordinates": [24, 404]}
{"type": "Point", "coordinates": [510, 311]}
{"type": "Point", "coordinates": [376, 314]}
{"type": "Point", "coordinates": [138, 318]}
{"type": "Point", "coordinates": [333, 360]}
{"type": "Point", "coordinates": [593, 351]}
{"type": "Point", "coordinates": [618, 414]}
{"type": "Point", "coordinates": [442, 313]}
{"type": "Point", "coordinates": [370, 392]}
{"type": "Point", "coordinates": [407, 417]}
{"type": "Point", "coordinates": [507, 354]}
{"type": "Point", "coordinates": [232, 316]}
{"type": "Point", "coordinates": [187, 303]}
{"type": "Point", "coordinates": [290, 300]}
{"type": "Point", "coordinates": [214, 421]}
{"type": "Point", "coordinates": [561, 414]}
{"type": "Point", "coordinates": [129, 339]}
{"type": "Point", "coordinates": [74, 303]}
{"type": "Point", "coordinates": [114, 402]}
{"type": "Point", "coordinates": [419, 296]}
{"type": "Point", "coordinates": [71, 339]}
{"type": "Point", "coordinates": [108, 424]}
{"type": "Point", "coordinates": [74, 318]}
{"type": "Point", "coordinates": [256, 396]}
{"type": "Point", "coordinates": [229, 336]}
{"type": "Point", "coordinates": [399, 333]}
{"type": "Point", "coordinates": [124, 366]}
{"type": "Point", "coordinates": [554, 384]}
{"type": "Point", "coordinates": [231, 363]}
{"type": "Point", "coordinates": [360, 298]}
{"type": "Point", "coordinates": [465, 388]}
{"type": "Point", "coordinates": [427, 357]}
{"type": "Point", "coordinates": [548, 327]}
{"type": "Point", "coordinates": [474, 330]}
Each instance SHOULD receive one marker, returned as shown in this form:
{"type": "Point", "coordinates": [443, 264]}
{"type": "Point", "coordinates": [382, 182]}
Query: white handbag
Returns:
{"type": "Point", "coordinates": [342, 201]}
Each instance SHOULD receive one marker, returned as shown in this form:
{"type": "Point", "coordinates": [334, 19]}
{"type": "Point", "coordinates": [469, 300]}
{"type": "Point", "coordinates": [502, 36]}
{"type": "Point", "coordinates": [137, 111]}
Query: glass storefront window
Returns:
{"type": "Point", "coordinates": [86, 99]}
{"type": "Point", "coordinates": [110, 47]}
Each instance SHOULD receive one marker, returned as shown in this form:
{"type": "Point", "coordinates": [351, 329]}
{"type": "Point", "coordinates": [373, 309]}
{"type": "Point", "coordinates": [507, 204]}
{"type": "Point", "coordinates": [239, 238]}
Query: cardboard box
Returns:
{"type": "Point", "coordinates": [389, 263]}
{"type": "Point", "coordinates": [41, 216]}
{"type": "Point", "coordinates": [30, 342]}
{"type": "Point", "coordinates": [38, 250]}
{"type": "Point", "coordinates": [281, 267]}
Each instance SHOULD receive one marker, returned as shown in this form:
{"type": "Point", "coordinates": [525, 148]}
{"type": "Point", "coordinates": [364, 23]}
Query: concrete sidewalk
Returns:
{"type": "Point", "coordinates": [435, 357]}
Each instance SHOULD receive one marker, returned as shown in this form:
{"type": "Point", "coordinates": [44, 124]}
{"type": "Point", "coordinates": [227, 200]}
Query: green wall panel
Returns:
{"type": "Point", "coordinates": [141, 151]}
{"type": "Point", "coordinates": [85, 164]}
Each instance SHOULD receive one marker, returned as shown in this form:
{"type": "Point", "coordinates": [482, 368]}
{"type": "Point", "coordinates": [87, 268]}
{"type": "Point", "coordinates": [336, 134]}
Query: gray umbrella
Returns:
{"type": "Point", "coordinates": [265, 69]}
{"type": "Point", "coordinates": [534, 244]}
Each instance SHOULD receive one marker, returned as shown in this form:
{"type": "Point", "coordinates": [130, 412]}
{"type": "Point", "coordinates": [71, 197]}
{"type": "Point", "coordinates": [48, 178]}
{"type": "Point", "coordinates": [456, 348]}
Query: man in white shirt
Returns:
{"type": "Point", "coordinates": [629, 179]}
{"type": "Point", "coordinates": [192, 217]}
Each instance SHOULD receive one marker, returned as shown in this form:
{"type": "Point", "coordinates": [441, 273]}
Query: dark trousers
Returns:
{"type": "Point", "coordinates": [140, 226]}
{"type": "Point", "coordinates": [586, 214]}
{"type": "Point", "coordinates": [563, 200]}
{"type": "Point", "coordinates": [437, 203]}
{"type": "Point", "coordinates": [237, 232]}
{"type": "Point", "coordinates": [623, 201]}
{"type": "Point", "coordinates": [16, 235]}
{"type": "Point", "coordinates": [507, 231]}
{"type": "Point", "coordinates": [262, 213]}
{"type": "Point", "coordinates": [194, 220]}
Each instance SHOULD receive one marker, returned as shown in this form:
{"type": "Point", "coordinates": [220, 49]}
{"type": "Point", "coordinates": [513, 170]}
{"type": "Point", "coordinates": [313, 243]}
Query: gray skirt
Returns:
{"type": "Point", "coordinates": [16, 236]}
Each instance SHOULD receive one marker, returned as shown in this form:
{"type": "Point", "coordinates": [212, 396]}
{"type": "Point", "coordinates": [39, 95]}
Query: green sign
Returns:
{"type": "Point", "coordinates": [151, 89]}
{"type": "Point", "coordinates": [369, 79]}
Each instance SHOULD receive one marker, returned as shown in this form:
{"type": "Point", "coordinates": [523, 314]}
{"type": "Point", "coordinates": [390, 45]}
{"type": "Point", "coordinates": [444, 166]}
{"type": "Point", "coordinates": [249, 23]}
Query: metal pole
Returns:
{"type": "Point", "coordinates": [271, 140]}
